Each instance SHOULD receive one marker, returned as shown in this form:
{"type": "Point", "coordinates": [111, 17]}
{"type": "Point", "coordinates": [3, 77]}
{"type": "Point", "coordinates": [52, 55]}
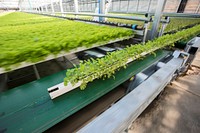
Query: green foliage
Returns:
{"type": "Point", "coordinates": [107, 66]}
{"type": "Point", "coordinates": [20, 18]}
{"type": "Point", "coordinates": [177, 24]}
{"type": "Point", "coordinates": [33, 42]}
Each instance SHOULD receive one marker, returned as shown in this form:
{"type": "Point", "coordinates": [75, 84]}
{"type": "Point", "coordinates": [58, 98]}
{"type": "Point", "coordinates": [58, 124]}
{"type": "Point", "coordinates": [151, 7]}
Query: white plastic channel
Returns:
{"type": "Point", "coordinates": [60, 89]}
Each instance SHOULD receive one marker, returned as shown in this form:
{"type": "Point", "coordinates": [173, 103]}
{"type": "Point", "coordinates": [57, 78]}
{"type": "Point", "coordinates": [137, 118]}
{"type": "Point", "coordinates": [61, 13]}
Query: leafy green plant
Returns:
{"type": "Point", "coordinates": [33, 42]}
{"type": "Point", "coordinates": [177, 24]}
{"type": "Point", "coordinates": [106, 67]}
{"type": "Point", "coordinates": [21, 18]}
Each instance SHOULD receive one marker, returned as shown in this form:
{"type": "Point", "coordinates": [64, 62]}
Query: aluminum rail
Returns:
{"type": "Point", "coordinates": [148, 19]}
{"type": "Point", "coordinates": [189, 15]}
{"type": "Point", "coordinates": [120, 115]}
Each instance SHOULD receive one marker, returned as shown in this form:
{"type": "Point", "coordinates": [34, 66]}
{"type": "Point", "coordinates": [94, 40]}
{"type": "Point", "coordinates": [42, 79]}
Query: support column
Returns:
{"type": "Point", "coordinates": [182, 6]}
{"type": "Point", "coordinates": [128, 6]}
{"type": "Point", "coordinates": [146, 26]}
{"type": "Point", "coordinates": [137, 5]}
{"type": "Point", "coordinates": [102, 9]}
{"type": "Point", "coordinates": [38, 8]}
{"type": "Point", "coordinates": [119, 5]}
{"type": "Point", "coordinates": [76, 7]}
{"type": "Point", "coordinates": [197, 10]}
{"type": "Point", "coordinates": [46, 8]}
{"type": "Point", "coordinates": [61, 8]}
{"type": "Point", "coordinates": [36, 72]}
{"type": "Point", "coordinates": [178, 5]}
{"type": "Point", "coordinates": [149, 4]}
{"type": "Point", "coordinates": [157, 17]}
{"type": "Point", "coordinates": [164, 25]}
{"type": "Point", "coordinates": [52, 8]}
{"type": "Point", "coordinates": [30, 6]}
{"type": "Point", "coordinates": [42, 9]}
{"type": "Point", "coordinates": [20, 5]}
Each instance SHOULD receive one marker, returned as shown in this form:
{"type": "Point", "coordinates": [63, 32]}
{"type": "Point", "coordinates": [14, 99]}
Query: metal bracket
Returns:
{"type": "Point", "coordinates": [36, 72]}
{"type": "Point", "coordinates": [139, 78]}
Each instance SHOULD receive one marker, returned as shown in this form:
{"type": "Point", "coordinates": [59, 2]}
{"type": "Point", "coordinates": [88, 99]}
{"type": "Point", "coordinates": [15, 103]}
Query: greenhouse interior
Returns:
{"type": "Point", "coordinates": [100, 66]}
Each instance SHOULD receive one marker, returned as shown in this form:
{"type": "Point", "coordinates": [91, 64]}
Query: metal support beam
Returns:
{"type": "Point", "coordinates": [119, 5]}
{"type": "Point", "coordinates": [158, 14]}
{"type": "Point", "coordinates": [38, 8]}
{"type": "Point", "coordinates": [138, 79]}
{"type": "Point", "coordinates": [137, 5]}
{"type": "Point", "coordinates": [178, 5]}
{"type": "Point", "coordinates": [42, 10]}
{"type": "Point", "coordinates": [61, 7]}
{"type": "Point", "coordinates": [46, 8]}
{"type": "Point", "coordinates": [146, 26]}
{"type": "Point", "coordinates": [187, 15]}
{"type": "Point", "coordinates": [36, 72]}
{"type": "Point", "coordinates": [20, 5]}
{"type": "Point", "coordinates": [149, 5]}
{"type": "Point", "coordinates": [30, 5]}
{"type": "Point", "coordinates": [107, 7]}
{"type": "Point", "coordinates": [101, 9]}
{"type": "Point", "coordinates": [182, 6]}
{"type": "Point", "coordinates": [52, 8]}
{"type": "Point", "coordinates": [164, 25]}
{"type": "Point", "coordinates": [3, 82]}
{"type": "Point", "coordinates": [111, 16]}
{"type": "Point", "coordinates": [76, 7]}
{"type": "Point", "coordinates": [197, 10]}
{"type": "Point", "coordinates": [128, 6]}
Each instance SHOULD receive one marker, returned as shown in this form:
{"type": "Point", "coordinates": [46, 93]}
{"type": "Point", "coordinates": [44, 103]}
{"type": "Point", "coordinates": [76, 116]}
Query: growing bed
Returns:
{"type": "Point", "coordinates": [176, 23]}
{"type": "Point", "coordinates": [105, 67]}
{"type": "Point", "coordinates": [32, 38]}
{"type": "Point", "coordinates": [19, 18]}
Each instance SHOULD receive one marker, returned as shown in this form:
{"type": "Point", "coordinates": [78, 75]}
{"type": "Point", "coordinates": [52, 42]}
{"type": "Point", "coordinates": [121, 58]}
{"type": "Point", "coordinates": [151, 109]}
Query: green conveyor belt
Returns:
{"type": "Point", "coordinates": [28, 108]}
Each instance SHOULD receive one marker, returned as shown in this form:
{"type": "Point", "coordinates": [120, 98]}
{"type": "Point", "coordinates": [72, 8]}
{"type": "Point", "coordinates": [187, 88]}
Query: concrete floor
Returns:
{"type": "Point", "coordinates": [176, 110]}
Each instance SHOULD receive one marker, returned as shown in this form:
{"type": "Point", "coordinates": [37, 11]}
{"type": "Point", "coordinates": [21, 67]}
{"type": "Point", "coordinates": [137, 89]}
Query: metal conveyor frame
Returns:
{"type": "Point", "coordinates": [121, 114]}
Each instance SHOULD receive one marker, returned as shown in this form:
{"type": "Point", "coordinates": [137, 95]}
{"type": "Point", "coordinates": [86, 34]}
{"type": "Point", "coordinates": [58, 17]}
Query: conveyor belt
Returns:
{"type": "Point", "coordinates": [29, 108]}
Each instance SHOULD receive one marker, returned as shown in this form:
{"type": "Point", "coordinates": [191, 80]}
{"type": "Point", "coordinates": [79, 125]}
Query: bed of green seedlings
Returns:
{"type": "Point", "coordinates": [107, 66]}
{"type": "Point", "coordinates": [20, 18]}
{"type": "Point", "coordinates": [177, 24]}
{"type": "Point", "coordinates": [34, 42]}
